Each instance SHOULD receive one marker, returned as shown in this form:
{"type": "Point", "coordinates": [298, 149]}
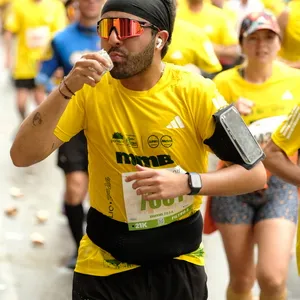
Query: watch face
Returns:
{"type": "Point", "coordinates": [196, 181]}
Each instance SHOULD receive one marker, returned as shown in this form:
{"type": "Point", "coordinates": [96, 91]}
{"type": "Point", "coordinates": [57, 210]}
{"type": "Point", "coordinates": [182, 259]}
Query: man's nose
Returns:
{"type": "Point", "coordinates": [113, 38]}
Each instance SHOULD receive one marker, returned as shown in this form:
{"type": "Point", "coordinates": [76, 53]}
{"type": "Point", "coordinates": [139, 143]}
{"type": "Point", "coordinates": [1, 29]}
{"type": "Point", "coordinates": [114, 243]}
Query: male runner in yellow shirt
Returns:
{"type": "Point", "coordinates": [147, 123]}
{"type": "Point", "coordinates": [285, 142]}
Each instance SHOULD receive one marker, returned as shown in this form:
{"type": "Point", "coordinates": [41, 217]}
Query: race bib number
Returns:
{"type": "Point", "coordinates": [263, 129]}
{"type": "Point", "coordinates": [143, 215]}
{"type": "Point", "coordinates": [37, 37]}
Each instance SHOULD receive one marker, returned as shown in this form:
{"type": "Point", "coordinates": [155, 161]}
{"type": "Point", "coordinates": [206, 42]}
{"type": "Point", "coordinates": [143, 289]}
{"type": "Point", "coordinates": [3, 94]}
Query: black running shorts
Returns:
{"type": "Point", "coordinates": [173, 280]}
{"type": "Point", "coordinates": [25, 84]}
{"type": "Point", "coordinates": [73, 155]}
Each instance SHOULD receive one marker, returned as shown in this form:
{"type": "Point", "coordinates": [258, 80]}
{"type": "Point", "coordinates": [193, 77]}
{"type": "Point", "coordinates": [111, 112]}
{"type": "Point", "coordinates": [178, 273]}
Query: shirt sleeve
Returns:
{"type": "Point", "coordinates": [205, 102]}
{"type": "Point", "coordinates": [206, 58]}
{"type": "Point", "coordinates": [287, 135]}
{"type": "Point", "coordinates": [73, 120]}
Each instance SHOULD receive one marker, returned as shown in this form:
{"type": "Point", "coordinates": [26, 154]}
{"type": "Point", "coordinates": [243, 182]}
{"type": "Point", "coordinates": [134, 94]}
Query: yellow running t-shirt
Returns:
{"type": "Point", "coordinates": [214, 21]}
{"type": "Point", "coordinates": [275, 97]}
{"type": "Point", "coordinates": [190, 45]}
{"type": "Point", "coordinates": [163, 127]}
{"type": "Point", "coordinates": [34, 31]}
{"type": "Point", "coordinates": [287, 137]}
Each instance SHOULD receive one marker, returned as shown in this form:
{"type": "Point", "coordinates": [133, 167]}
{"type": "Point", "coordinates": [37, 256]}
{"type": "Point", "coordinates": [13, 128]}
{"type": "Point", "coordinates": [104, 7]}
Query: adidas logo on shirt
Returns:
{"type": "Point", "coordinates": [176, 123]}
{"type": "Point", "coordinates": [287, 95]}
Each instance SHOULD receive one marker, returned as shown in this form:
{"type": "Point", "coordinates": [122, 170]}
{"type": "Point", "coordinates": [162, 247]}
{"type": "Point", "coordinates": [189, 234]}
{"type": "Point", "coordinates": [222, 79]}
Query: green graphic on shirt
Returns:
{"type": "Point", "coordinates": [128, 140]}
{"type": "Point", "coordinates": [198, 253]}
{"type": "Point", "coordinates": [118, 136]}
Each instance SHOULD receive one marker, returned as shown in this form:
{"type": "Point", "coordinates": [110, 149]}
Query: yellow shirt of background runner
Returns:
{"type": "Point", "coordinates": [213, 20]}
{"type": "Point", "coordinates": [291, 40]}
{"type": "Point", "coordinates": [122, 124]}
{"type": "Point", "coordinates": [190, 45]}
{"type": "Point", "coordinates": [287, 137]}
{"type": "Point", "coordinates": [276, 6]}
{"type": "Point", "coordinates": [275, 97]}
{"type": "Point", "coordinates": [34, 23]}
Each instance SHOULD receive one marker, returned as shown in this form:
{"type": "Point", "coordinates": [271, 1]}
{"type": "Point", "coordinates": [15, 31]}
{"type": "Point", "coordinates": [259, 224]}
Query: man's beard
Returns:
{"type": "Point", "coordinates": [134, 64]}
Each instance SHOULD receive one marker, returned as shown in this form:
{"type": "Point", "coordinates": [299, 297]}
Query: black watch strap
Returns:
{"type": "Point", "coordinates": [194, 182]}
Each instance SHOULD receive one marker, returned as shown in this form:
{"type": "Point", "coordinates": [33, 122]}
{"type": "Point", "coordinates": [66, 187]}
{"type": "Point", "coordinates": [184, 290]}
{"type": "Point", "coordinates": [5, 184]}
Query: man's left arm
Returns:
{"type": "Point", "coordinates": [162, 184]}
{"type": "Point", "coordinates": [233, 180]}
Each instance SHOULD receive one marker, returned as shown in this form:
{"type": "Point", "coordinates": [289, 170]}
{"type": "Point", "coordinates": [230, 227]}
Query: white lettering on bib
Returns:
{"type": "Point", "coordinates": [142, 214]}
{"type": "Point", "coordinates": [37, 37]}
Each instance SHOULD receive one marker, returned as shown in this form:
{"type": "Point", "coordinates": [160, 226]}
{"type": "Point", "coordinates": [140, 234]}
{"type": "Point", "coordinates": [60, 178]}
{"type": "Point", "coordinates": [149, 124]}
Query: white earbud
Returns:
{"type": "Point", "coordinates": [159, 43]}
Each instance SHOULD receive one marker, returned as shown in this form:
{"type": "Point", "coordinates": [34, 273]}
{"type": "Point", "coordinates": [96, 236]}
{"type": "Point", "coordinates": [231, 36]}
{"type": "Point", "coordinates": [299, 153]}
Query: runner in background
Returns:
{"type": "Point", "coordinates": [192, 48]}
{"type": "Point", "coordinates": [72, 13]}
{"type": "Point", "coordinates": [33, 28]}
{"type": "Point", "coordinates": [68, 46]}
{"type": "Point", "coordinates": [289, 21]}
{"type": "Point", "coordinates": [285, 142]}
{"type": "Point", "coordinates": [261, 88]}
{"type": "Point", "coordinates": [214, 21]}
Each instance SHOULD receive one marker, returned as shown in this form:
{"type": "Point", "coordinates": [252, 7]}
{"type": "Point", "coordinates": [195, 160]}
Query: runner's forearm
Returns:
{"type": "Point", "coordinates": [280, 165]}
{"type": "Point", "coordinates": [35, 139]}
{"type": "Point", "coordinates": [233, 180]}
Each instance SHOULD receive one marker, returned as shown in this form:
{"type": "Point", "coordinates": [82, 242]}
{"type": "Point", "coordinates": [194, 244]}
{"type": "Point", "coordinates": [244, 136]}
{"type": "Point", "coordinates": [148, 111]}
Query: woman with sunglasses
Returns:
{"type": "Point", "coordinates": [261, 88]}
{"type": "Point", "coordinates": [145, 205]}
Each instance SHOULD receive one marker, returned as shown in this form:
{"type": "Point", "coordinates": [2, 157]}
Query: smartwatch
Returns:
{"type": "Point", "coordinates": [194, 182]}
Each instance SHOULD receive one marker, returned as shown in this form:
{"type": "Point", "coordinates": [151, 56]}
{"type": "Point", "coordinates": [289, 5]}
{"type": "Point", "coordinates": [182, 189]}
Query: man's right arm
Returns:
{"type": "Point", "coordinates": [36, 139]}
